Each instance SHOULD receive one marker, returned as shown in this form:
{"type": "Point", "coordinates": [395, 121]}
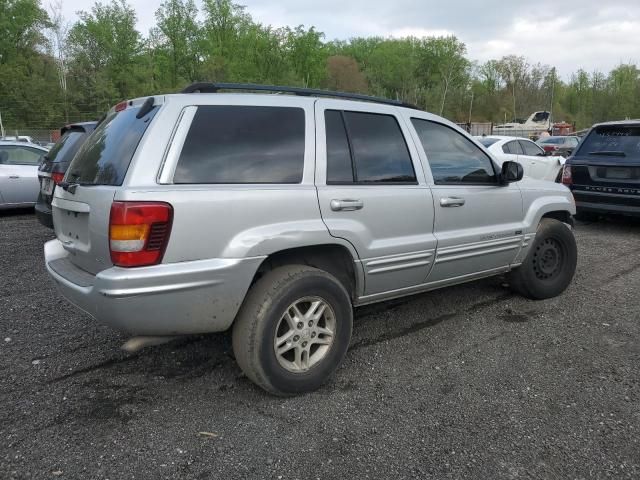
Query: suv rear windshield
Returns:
{"type": "Point", "coordinates": [613, 140]}
{"type": "Point", "coordinates": [105, 157]}
{"type": "Point", "coordinates": [66, 147]}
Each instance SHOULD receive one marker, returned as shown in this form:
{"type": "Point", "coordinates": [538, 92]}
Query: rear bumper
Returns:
{"type": "Point", "coordinates": [43, 214]}
{"type": "Point", "coordinates": [608, 208]}
{"type": "Point", "coordinates": [600, 202]}
{"type": "Point", "coordinates": [169, 299]}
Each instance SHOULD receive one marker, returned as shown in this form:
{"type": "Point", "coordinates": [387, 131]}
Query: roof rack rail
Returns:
{"type": "Point", "coordinates": [209, 87]}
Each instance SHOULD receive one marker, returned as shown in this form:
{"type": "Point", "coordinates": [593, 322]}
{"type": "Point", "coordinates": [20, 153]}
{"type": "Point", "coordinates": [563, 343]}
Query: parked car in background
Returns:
{"type": "Point", "coordinates": [275, 214]}
{"type": "Point", "coordinates": [55, 163]}
{"type": "Point", "coordinates": [19, 173]}
{"type": "Point", "coordinates": [535, 162]}
{"type": "Point", "coordinates": [604, 172]}
{"type": "Point", "coordinates": [19, 138]}
{"type": "Point", "coordinates": [559, 145]}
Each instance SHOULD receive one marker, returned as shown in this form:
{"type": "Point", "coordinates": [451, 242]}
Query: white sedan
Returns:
{"type": "Point", "coordinates": [19, 163]}
{"type": "Point", "coordinates": [535, 162]}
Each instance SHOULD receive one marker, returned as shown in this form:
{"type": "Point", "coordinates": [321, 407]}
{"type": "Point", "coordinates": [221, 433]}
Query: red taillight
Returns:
{"type": "Point", "coordinates": [139, 232]}
{"type": "Point", "coordinates": [57, 177]}
{"type": "Point", "coordinates": [121, 106]}
{"type": "Point", "coordinates": [566, 175]}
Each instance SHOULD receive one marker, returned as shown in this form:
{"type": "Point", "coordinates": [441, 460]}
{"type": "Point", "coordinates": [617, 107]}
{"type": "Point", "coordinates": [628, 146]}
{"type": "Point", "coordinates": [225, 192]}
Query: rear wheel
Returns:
{"type": "Point", "coordinates": [293, 329]}
{"type": "Point", "coordinates": [550, 264]}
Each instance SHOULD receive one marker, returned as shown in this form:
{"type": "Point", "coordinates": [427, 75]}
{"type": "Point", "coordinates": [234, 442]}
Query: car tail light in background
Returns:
{"type": "Point", "coordinates": [139, 232]}
{"type": "Point", "coordinates": [566, 175]}
{"type": "Point", "coordinates": [550, 148]}
{"type": "Point", "coordinates": [57, 177]}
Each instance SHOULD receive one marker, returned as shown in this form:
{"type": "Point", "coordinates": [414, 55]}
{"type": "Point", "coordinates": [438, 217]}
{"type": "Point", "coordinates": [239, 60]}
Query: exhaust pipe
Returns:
{"type": "Point", "coordinates": [135, 344]}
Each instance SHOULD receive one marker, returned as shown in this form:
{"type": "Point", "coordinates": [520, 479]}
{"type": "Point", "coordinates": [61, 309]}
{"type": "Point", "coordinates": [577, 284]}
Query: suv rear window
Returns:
{"type": "Point", "coordinates": [243, 144]}
{"type": "Point", "coordinates": [105, 157]}
{"type": "Point", "coordinates": [66, 147]}
{"type": "Point", "coordinates": [613, 140]}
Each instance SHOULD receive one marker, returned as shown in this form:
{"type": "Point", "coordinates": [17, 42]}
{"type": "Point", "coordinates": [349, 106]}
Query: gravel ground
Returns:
{"type": "Point", "coordinates": [471, 381]}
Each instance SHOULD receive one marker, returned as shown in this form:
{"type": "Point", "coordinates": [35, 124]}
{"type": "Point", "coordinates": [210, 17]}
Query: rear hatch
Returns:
{"type": "Point", "coordinates": [81, 208]}
{"type": "Point", "coordinates": [606, 167]}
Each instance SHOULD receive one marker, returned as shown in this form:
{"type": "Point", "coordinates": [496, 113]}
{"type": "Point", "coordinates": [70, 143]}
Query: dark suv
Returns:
{"type": "Point", "coordinates": [55, 164]}
{"type": "Point", "coordinates": [604, 172]}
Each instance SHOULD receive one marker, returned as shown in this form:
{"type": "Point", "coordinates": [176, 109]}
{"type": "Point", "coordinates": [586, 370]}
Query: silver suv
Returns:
{"type": "Point", "coordinates": [276, 214]}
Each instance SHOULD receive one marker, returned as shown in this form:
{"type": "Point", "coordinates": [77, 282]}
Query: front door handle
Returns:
{"type": "Point", "coordinates": [14, 176]}
{"type": "Point", "coordinates": [452, 202]}
{"type": "Point", "coordinates": [346, 205]}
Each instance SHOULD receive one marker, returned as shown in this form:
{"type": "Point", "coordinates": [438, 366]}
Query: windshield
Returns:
{"type": "Point", "coordinates": [488, 141]}
{"type": "Point", "coordinates": [104, 158]}
{"type": "Point", "coordinates": [66, 147]}
{"type": "Point", "coordinates": [614, 140]}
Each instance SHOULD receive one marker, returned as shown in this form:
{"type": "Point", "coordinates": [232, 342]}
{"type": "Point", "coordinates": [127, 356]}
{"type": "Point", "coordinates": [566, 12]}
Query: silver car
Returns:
{"type": "Point", "coordinates": [275, 215]}
{"type": "Point", "coordinates": [19, 184]}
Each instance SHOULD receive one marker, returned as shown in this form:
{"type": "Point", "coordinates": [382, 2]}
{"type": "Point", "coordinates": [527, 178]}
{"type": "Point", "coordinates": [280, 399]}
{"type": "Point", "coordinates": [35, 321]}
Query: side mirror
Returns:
{"type": "Point", "coordinates": [511, 172]}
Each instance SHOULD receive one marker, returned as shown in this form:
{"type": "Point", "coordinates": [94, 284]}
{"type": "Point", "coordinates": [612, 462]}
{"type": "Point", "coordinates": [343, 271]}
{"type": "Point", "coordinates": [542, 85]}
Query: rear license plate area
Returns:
{"type": "Point", "coordinates": [73, 229]}
{"type": "Point", "coordinates": [618, 173]}
{"type": "Point", "coordinates": [46, 186]}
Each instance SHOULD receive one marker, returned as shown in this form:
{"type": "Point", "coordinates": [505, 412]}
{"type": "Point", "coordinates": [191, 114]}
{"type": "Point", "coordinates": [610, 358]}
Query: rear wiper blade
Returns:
{"type": "Point", "coordinates": [69, 186]}
{"type": "Point", "coordinates": [609, 153]}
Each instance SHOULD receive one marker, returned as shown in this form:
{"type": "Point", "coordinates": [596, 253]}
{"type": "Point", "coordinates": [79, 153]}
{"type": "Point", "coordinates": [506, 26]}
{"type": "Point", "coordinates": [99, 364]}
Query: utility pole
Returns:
{"type": "Point", "coordinates": [471, 106]}
{"type": "Point", "coordinates": [553, 86]}
{"type": "Point", "coordinates": [1, 126]}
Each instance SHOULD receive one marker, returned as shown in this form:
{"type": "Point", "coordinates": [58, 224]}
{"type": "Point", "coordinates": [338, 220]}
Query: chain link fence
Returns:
{"type": "Point", "coordinates": [38, 135]}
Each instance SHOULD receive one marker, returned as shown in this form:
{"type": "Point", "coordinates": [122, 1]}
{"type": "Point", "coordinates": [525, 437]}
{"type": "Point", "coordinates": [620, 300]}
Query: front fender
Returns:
{"type": "Point", "coordinates": [536, 208]}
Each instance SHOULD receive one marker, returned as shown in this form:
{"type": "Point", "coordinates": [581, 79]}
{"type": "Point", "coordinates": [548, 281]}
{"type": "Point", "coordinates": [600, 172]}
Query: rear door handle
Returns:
{"type": "Point", "coordinates": [452, 202]}
{"type": "Point", "coordinates": [346, 205]}
{"type": "Point", "coordinates": [14, 176]}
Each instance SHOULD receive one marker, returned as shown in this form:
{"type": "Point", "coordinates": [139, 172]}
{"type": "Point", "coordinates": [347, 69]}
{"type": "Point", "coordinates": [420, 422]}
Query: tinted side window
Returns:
{"type": "Point", "coordinates": [530, 148]}
{"type": "Point", "coordinates": [339, 166]}
{"type": "Point", "coordinates": [10, 155]}
{"type": "Point", "coordinates": [453, 158]}
{"type": "Point", "coordinates": [380, 152]}
{"type": "Point", "coordinates": [512, 148]}
{"type": "Point", "coordinates": [243, 144]}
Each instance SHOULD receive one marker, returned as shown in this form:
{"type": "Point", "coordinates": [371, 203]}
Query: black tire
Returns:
{"type": "Point", "coordinates": [550, 264]}
{"type": "Point", "coordinates": [260, 316]}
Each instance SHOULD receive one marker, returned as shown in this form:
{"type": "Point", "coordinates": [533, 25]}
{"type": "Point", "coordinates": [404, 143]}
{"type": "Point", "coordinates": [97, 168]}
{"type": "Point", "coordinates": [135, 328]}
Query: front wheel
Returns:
{"type": "Point", "coordinates": [550, 264]}
{"type": "Point", "coordinates": [293, 329]}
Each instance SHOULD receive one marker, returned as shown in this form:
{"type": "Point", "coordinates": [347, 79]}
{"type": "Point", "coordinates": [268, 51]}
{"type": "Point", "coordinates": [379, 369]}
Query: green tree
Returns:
{"type": "Point", "coordinates": [106, 56]}
{"type": "Point", "coordinates": [176, 40]}
{"type": "Point", "coordinates": [442, 64]}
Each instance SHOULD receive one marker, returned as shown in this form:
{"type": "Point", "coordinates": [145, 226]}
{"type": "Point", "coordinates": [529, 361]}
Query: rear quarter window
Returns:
{"type": "Point", "coordinates": [243, 144]}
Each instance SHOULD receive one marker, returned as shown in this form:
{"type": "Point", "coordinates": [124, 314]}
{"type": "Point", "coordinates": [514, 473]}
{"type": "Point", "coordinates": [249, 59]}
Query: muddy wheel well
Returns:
{"type": "Point", "coordinates": [561, 215]}
{"type": "Point", "coordinates": [333, 259]}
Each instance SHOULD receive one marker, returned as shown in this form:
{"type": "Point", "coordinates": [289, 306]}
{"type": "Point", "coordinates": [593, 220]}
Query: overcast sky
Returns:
{"type": "Point", "coordinates": [570, 34]}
